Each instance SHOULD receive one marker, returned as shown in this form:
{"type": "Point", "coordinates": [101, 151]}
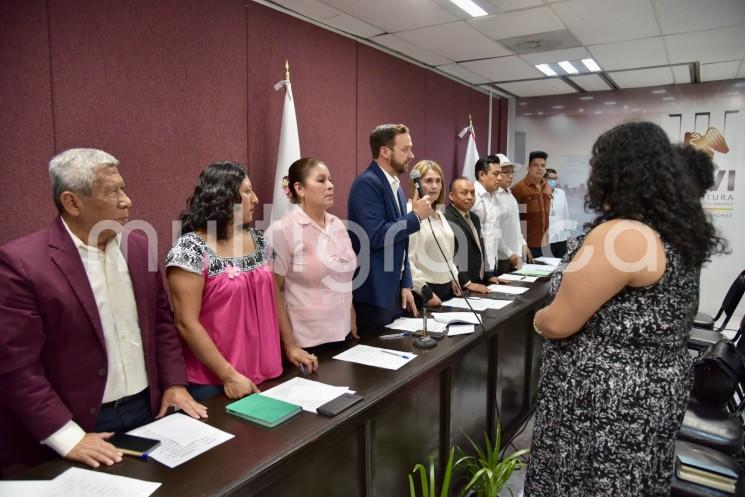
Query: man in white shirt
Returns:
{"type": "Point", "coordinates": [87, 341]}
{"type": "Point", "coordinates": [488, 177]}
{"type": "Point", "coordinates": [512, 245]}
{"type": "Point", "coordinates": [559, 223]}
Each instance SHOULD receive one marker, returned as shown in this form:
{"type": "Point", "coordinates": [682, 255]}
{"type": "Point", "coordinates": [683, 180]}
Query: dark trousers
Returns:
{"type": "Point", "coordinates": [504, 266]}
{"type": "Point", "coordinates": [131, 413]}
{"type": "Point", "coordinates": [203, 392]}
{"type": "Point", "coordinates": [536, 251]}
{"type": "Point", "coordinates": [559, 249]}
{"type": "Point", "coordinates": [372, 319]}
{"type": "Point", "coordinates": [443, 291]}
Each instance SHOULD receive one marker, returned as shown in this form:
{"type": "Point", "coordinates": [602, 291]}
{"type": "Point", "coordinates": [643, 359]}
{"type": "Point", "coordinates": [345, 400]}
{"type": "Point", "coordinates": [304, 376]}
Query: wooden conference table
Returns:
{"type": "Point", "coordinates": [460, 386]}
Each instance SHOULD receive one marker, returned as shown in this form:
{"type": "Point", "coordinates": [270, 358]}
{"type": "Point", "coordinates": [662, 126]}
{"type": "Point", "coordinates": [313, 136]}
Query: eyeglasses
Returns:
{"type": "Point", "coordinates": [505, 173]}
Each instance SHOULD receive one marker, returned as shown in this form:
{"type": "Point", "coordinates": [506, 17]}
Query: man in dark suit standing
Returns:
{"type": "Point", "coordinates": [380, 227]}
{"type": "Point", "coordinates": [87, 341]}
{"type": "Point", "coordinates": [470, 253]}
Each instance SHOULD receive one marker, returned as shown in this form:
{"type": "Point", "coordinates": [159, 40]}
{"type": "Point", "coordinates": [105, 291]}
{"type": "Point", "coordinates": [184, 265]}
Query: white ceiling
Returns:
{"type": "Point", "coordinates": [637, 43]}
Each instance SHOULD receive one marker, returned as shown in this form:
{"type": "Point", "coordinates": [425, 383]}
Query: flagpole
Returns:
{"type": "Point", "coordinates": [488, 139]}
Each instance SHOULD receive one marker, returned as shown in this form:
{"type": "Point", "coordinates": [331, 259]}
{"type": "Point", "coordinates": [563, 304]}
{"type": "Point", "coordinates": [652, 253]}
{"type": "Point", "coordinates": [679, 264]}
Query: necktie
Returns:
{"type": "Point", "coordinates": [478, 242]}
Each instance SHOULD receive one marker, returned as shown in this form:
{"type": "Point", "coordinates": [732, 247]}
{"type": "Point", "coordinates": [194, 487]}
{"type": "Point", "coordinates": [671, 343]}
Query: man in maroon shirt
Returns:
{"type": "Point", "coordinates": [534, 198]}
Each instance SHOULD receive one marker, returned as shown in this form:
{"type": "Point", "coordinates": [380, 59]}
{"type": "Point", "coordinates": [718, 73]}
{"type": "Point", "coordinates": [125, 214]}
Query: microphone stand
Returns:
{"type": "Point", "coordinates": [425, 341]}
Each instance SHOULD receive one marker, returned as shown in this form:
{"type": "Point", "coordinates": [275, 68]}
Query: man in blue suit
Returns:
{"type": "Point", "coordinates": [380, 229]}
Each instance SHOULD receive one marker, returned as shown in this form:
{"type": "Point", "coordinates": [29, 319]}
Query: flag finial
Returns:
{"type": "Point", "coordinates": [287, 70]}
{"type": "Point", "coordinates": [470, 121]}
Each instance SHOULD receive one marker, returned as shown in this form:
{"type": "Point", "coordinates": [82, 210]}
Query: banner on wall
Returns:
{"type": "Point", "coordinates": [289, 152]}
{"type": "Point", "coordinates": [472, 154]}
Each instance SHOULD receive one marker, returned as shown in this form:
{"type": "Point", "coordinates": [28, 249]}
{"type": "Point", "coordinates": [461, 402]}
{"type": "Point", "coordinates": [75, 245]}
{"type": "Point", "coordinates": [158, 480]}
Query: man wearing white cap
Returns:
{"type": "Point", "coordinates": [512, 245]}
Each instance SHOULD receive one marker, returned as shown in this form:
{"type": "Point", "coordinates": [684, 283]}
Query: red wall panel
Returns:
{"type": "Point", "coordinates": [171, 86]}
{"type": "Point", "coordinates": [322, 71]}
{"type": "Point", "coordinates": [26, 127]}
{"type": "Point", "coordinates": [389, 90]}
{"type": "Point", "coordinates": [160, 85]}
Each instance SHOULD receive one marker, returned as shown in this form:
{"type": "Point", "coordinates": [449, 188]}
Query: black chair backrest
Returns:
{"type": "Point", "coordinates": [731, 300]}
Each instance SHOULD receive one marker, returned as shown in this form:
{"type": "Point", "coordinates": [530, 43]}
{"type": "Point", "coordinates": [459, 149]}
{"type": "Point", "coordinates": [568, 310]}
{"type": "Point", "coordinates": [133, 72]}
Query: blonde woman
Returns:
{"type": "Point", "coordinates": [431, 273]}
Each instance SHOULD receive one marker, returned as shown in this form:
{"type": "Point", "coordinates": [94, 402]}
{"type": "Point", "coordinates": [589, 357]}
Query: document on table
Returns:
{"type": "Point", "coordinates": [87, 483]}
{"type": "Point", "coordinates": [415, 324]}
{"type": "Point", "coordinates": [517, 277]}
{"type": "Point", "coordinates": [308, 394]}
{"type": "Point", "coordinates": [539, 268]}
{"type": "Point", "coordinates": [27, 488]}
{"type": "Point", "coordinates": [376, 357]}
{"type": "Point", "coordinates": [478, 304]}
{"type": "Point", "coordinates": [551, 261]}
{"type": "Point", "coordinates": [455, 317]}
{"type": "Point", "coordinates": [182, 438]}
{"type": "Point", "coordinates": [509, 289]}
{"type": "Point", "coordinates": [460, 329]}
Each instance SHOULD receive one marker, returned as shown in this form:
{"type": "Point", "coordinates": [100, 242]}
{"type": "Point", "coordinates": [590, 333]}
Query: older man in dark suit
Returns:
{"type": "Point", "coordinates": [87, 342]}
{"type": "Point", "coordinates": [470, 254]}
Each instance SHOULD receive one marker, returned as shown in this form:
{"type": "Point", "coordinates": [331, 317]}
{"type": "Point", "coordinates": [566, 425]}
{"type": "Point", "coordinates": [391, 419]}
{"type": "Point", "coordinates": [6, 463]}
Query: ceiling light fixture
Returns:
{"type": "Point", "coordinates": [587, 97]}
{"type": "Point", "coordinates": [658, 91]}
{"type": "Point", "coordinates": [568, 67]}
{"type": "Point", "coordinates": [470, 7]}
{"type": "Point", "coordinates": [591, 65]}
{"type": "Point", "coordinates": [546, 69]}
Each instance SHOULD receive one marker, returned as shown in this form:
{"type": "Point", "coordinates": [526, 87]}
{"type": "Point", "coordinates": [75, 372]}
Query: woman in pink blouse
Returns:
{"type": "Point", "coordinates": [313, 267]}
{"type": "Point", "coordinates": [222, 288]}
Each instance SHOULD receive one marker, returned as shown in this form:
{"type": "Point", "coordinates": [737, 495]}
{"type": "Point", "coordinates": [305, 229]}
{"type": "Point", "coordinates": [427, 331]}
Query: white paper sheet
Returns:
{"type": "Point", "coordinates": [305, 393]}
{"type": "Point", "coordinates": [376, 357]}
{"type": "Point", "coordinates": [551, 261]}
{"type": "Point", "coordinates": [175, 451]}
{"type": "Point", "coordinates": [517, 277]}
{"type": "Point", "coordinates": [455, 317]}
{"type": "Point", "coordinates": [460, 329]}
{"type": "Point", "coordinates": [26, 488]}
{"type": "Point", "coordinates": [509, 289]}
{"type": "Point", "coordinates": [415, 324]}
{"type": "Point", "coordinates": [87, 483]}
{"type": "Point", "coordinates": [478, 304]}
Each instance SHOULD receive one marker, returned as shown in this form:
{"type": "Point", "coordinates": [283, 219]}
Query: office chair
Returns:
{"type": "Point", "coordinates": [701, 338]}
{"type": "Point", "coordinates": [729, 304]}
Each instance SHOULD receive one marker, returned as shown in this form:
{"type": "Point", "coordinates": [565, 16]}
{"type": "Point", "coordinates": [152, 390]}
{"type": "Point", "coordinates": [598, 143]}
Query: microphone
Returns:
{"type": "Point", "coordinates": [415, 176]}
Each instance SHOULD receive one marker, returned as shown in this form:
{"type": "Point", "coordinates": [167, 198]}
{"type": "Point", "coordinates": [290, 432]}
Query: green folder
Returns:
{"type": "Point", "coordinates": [262, 410]}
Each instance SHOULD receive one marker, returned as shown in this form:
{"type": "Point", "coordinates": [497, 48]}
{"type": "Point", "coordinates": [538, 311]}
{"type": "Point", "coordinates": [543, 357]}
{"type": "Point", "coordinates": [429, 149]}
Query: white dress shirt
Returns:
{"type": "Point", "coordinates": [109, 278]}
{"type": "Point", "coordinates": [425, 259]}
{"type": "Point", "coordinates": [395, 183]}
{"type": "Point", "coordinates": [511, 241]}
{"type": "Point", "coordinates": [487, 209]}
{"type": "Point", "coordinates": [559, 228]}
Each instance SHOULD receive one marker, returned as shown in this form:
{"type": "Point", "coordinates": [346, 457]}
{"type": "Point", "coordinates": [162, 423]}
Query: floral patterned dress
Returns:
{"type": "Point", "coordinates": [613, 395]}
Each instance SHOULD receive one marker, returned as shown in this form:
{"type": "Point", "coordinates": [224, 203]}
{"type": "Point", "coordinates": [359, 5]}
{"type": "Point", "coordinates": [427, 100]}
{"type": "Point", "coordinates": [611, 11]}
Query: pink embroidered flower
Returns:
{"type": "Point", "coordinates": [286, 187]}
{"type": "Point", "coordinates": [233, 271]}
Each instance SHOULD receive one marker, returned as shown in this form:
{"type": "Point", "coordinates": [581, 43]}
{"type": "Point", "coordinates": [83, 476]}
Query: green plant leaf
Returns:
{"type": "Point", "coordinates": [448, 474]}
{"type": "Point", "coordinates": [431, 476]}
{"type": "Point", "coordinates": [412, 491]}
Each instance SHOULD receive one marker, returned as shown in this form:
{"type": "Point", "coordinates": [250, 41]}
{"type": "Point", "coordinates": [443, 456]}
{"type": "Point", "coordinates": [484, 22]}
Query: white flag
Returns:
{"type": "Point", "coordinates": [289, 152]}
{"type": "Point", "coordinates": [472, 155]}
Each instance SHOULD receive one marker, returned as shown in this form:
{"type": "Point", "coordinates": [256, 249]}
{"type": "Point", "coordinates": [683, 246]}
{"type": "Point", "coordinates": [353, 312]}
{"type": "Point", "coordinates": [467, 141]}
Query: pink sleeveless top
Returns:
{"type": "Point", "coordinates": [237, 311]}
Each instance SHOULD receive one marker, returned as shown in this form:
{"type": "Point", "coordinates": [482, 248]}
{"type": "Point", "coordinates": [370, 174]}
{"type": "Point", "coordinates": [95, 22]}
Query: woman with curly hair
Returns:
{"type": "Point", "coordinates": [222, 288]}
{"type": "Point", "coordinates": [615, 371]}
